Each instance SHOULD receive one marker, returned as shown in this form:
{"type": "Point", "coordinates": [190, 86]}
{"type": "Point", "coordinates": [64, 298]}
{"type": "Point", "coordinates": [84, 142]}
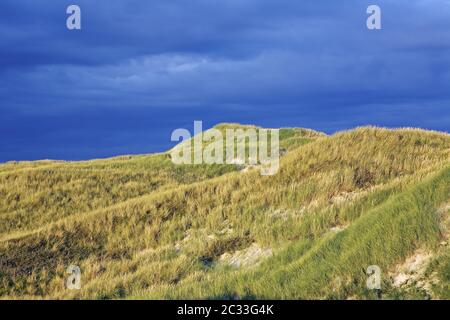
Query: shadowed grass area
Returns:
{"type": "Point", "coordinates": [144, 227]}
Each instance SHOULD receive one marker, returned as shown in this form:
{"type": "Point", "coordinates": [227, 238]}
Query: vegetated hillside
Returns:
{"type": "Point", "coordinates": [142, 227]}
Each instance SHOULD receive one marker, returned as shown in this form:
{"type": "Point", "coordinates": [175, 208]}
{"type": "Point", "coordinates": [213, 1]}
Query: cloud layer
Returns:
{"type": "Point", "coordinates": [137, 70]}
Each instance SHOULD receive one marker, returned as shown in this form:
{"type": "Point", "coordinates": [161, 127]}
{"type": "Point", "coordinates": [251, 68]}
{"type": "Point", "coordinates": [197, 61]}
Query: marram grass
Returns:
{"type": "Point", "coordinates": [142, 227]}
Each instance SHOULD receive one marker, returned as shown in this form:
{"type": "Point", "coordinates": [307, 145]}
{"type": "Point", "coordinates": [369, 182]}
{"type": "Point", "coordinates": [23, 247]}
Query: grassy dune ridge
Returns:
{"type": "Point", "coordinates": [142, 227]}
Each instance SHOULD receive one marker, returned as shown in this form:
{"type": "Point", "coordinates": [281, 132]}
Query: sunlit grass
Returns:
{"type": "Point", "coordinates": [140, 226]}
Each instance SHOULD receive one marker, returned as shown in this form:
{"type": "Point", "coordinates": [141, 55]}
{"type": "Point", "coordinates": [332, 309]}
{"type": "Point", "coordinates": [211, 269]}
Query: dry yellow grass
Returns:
{"type": "Point", "coordinates": [143, 227]}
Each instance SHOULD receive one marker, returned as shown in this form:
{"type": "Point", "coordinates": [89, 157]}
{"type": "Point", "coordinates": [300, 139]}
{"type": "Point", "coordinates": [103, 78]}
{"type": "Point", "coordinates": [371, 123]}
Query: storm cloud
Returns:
{"type": "Point", "coordinates": [139, 69]}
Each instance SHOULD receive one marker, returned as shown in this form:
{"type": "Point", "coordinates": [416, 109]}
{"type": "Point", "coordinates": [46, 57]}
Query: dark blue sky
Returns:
{"type": "Point", "coordinates": [140, 69]}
